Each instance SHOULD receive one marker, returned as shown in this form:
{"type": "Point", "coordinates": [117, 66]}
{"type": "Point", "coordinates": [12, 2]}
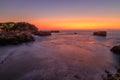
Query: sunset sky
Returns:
{"type": "Point", "coordinates": [63, 14]}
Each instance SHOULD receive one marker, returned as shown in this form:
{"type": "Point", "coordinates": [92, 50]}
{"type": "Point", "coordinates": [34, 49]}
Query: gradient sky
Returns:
{"type": "Point", "coordinates": [63, 14]}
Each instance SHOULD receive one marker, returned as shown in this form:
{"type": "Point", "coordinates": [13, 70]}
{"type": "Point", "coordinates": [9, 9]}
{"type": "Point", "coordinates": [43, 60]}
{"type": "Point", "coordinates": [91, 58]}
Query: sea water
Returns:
{"type": "Point", "coordinates": [68, 55]}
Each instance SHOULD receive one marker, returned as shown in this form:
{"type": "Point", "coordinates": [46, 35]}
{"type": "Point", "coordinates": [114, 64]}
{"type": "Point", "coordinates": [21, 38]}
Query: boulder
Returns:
{"type": "Point", "coordinates": [42, 33]}
{"type": "Point", "coordinates": [116, 49]}
{"type": "Point", "coordinates": [100, 33]}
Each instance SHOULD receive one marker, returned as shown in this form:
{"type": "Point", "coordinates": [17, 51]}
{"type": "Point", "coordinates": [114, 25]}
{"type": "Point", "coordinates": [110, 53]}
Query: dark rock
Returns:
{"type": "Point", "coordinates": [77, 77]}
{"type": "Point", "coordinates": [75, 33]}
{"type": "Point", "coordinates": [8, 38]}
{"type": "Point", "coordinates": [110, 76]}
{"type": "Point", "coordinates": [116, 49]}
{"type": "Point", "coordinates": [42, 33]}
{"type": "Point", "coordinates": [100, 33]}
{"type": "Point", "coordinates": [55, 31]}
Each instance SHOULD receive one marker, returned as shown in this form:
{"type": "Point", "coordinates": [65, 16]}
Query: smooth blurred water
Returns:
{"type": "Point", "coordinates": [62, 56]}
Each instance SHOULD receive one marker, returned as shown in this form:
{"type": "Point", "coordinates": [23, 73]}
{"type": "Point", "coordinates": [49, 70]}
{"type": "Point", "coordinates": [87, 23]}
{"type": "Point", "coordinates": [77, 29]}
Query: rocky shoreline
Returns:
{"type": "Point", "coordinates": [8, 38]}
{"type": "Point", "coordinates": [16, 33]}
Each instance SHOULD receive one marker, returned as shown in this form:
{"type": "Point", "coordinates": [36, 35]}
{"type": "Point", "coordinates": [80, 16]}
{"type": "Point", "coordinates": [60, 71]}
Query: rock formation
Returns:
{"type": "Point", "coordinates": [10, 38]}
{"type": "Point", "coordinates": [42, 33]}
{"type": "Point", "coordinates": [116, 49]}
{"type": "Point", "coordinates": [55, 31]}
{"type": "Point", "coordinates": [100, 33]}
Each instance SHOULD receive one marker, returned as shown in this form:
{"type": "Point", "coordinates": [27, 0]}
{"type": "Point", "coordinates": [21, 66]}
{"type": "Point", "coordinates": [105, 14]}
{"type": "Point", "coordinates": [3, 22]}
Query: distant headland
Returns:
{"type": "Point", "coordinates": [20, 32]}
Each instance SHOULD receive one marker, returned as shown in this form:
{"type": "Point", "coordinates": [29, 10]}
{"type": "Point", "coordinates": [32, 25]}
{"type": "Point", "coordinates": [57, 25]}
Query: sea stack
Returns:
{"type": "Point", "coordinates": [100, 33]}
{"type": "Point", "coordinates": [116, 49]}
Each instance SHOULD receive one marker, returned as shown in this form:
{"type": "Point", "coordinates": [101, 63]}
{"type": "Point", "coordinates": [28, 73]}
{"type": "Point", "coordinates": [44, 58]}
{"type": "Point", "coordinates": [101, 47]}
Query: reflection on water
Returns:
{"type": "Point", "coordinates": [62, 56]}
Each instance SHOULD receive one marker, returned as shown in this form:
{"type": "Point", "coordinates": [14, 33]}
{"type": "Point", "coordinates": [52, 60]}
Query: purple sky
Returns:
{"type": "Point", "coordinates": [34, 9]}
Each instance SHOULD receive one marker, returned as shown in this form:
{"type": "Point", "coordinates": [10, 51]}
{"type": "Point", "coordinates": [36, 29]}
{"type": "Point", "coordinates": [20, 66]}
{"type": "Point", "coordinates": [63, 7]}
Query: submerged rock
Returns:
{"type": "Point", "coordinates": [75, 33]}
{"type": "Point", "coordinates": [110, 76]}
{"type": "Point", "coordinates": [42, 33]}
{"type": "Point", "coordinates": [116, 49]}
{"type": "Point", "coordinates": [100, 33]}
{"type": "Point", "coordinates": [7, 38]}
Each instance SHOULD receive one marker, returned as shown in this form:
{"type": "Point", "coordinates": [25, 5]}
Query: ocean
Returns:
{"type": "Point", "coordinates": [62, 56]}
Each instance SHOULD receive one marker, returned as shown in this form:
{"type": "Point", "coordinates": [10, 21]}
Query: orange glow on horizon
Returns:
{"type": "Point", "coordinates": [77, 24]}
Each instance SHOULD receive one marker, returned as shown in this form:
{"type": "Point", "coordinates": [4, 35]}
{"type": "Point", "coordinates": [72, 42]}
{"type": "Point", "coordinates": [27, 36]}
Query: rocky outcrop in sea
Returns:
{"type": "Point", "coordinates": [100, 33]}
